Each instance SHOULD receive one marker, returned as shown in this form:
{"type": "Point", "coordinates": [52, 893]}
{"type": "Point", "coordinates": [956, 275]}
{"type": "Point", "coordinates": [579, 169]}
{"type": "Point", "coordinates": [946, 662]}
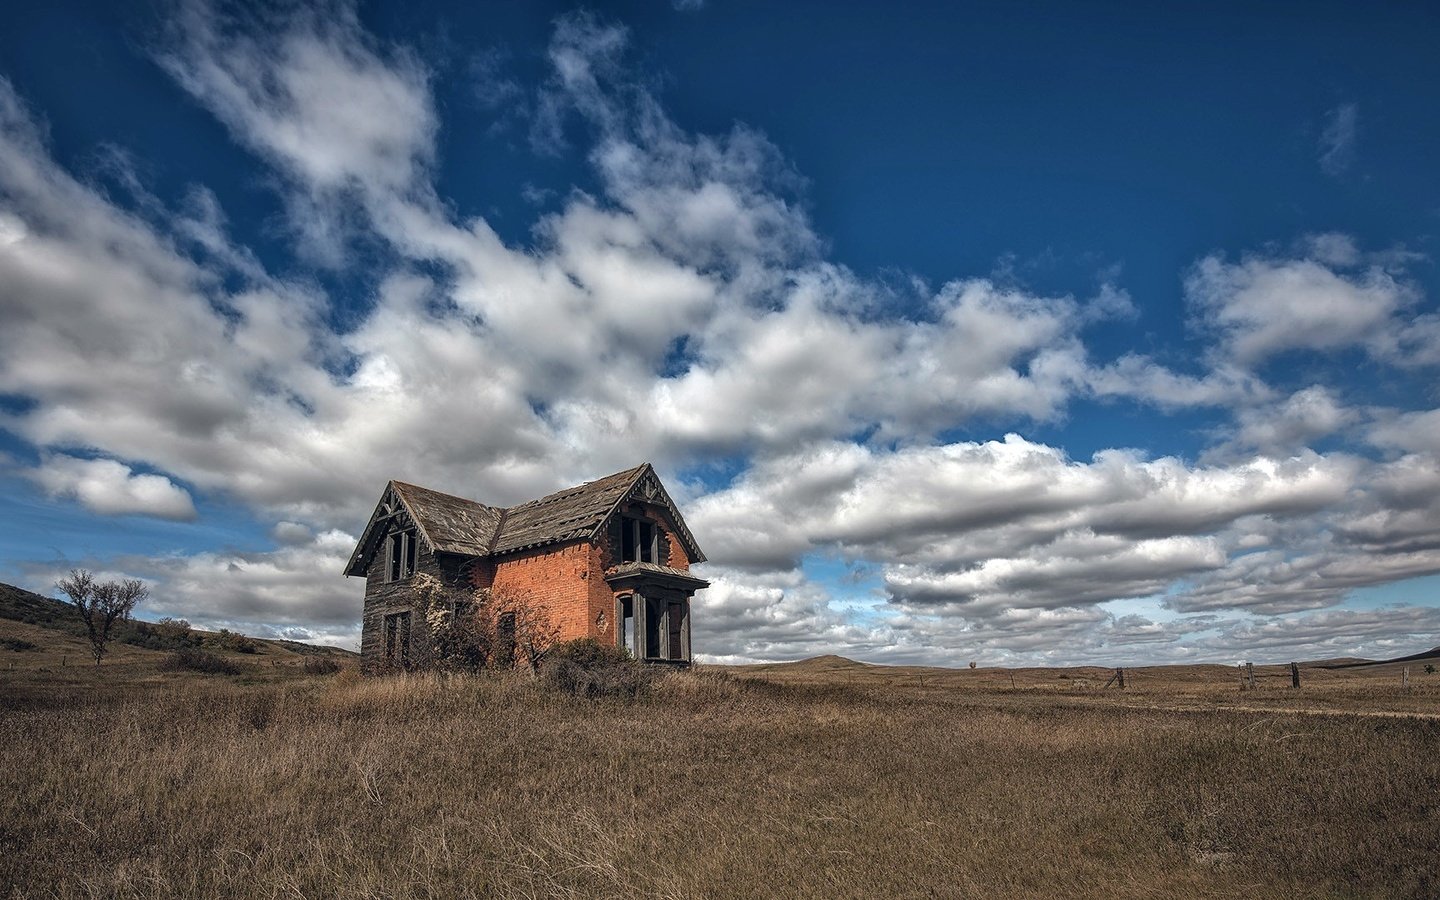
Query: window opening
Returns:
{"type": "Point", "coordinates": [638, 540]}
{"type": "Point", "coordinates": [676, 617]}
{"type": "Point", "coordinates": [400, 555]}
{"type": "Point", "coordinates": [655, 628]}
{"type": "Point", "coordinates": [397, 638]}
{"type": "Point", "coordinates": [505, 640]}
{"type": "Point", "coordinates": [627, 625]}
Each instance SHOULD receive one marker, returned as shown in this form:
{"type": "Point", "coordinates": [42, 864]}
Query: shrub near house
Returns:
{"type": "Point", "coordinates": [608, 560]}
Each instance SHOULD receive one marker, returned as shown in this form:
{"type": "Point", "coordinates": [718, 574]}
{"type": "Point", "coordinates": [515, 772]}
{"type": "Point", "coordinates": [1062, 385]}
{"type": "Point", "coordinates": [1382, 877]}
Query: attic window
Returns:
{"type": "Point", "coordinates": [400, 555]}
{"type": "Point", "coordinates": [639, 540]}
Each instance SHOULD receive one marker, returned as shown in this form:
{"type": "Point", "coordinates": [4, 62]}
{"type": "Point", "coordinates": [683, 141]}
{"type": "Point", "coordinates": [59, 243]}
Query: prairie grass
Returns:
{"type": "Point", "coordinates": [710, 786]}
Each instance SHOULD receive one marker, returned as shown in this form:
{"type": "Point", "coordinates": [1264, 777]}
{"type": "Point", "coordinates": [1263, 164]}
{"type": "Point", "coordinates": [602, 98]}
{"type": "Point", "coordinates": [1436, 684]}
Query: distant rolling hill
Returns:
{"type": "Point", "coordinates": [63, 625]}
{"type": "Point", "coordinates": [1432, 653]}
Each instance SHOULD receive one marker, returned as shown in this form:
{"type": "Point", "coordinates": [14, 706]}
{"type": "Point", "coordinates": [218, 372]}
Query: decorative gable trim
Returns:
{"type": "Point", "coordinates": [454, 525]}
{"type": "Point", "coordinates": [647, 488]}
{"type": "Point", "coordinates": [391, 510]}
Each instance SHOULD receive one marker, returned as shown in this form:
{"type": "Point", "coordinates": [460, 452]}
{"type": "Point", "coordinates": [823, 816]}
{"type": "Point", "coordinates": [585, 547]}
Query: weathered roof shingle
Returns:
{"type": "Point", "coordinates": [565, 515]}
{"type": "Point", "coordinates": [455, 525]}
{"type": "Point", "coordinates": [452, 524]}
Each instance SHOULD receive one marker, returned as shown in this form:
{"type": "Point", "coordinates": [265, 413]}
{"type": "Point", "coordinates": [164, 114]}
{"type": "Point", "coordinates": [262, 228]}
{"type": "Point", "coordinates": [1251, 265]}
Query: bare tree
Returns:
{"type": "Point", "coordinates": [102, 604]}
{"type": "Point", "coordinates": [489, 628]}
{"type": "Point", "coordinates": [528, 621]}
{"type": "Point", "coordinates": [459, 633]}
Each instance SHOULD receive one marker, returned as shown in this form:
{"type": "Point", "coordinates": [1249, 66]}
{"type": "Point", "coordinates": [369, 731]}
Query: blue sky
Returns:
{"type": "Point", "coordinates": [1019, 333]}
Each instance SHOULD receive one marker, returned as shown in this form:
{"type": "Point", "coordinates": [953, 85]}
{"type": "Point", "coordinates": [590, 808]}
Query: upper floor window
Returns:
{"type": "Point", "coordinates": [400, 555]}
{"type": "Point", "coordinates": [639, 541]}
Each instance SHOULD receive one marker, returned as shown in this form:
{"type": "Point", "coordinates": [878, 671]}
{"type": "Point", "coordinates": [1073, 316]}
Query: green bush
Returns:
{"type": "Point", "coordinates": [17, 644]}
{"type": "Point", "coordinates": [321, 665]}
{"type": "Point", "coordinates": [199, 661]}
{"type": "Point", "coordinates": [588, 668]}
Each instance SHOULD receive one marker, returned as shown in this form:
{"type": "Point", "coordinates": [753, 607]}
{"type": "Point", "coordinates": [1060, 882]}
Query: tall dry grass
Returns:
{"type": "Point", "coordinates": [711, 787]}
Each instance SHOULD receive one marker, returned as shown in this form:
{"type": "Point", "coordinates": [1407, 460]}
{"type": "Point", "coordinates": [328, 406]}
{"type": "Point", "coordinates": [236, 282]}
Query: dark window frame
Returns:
{"type": "Point", "coordinates": [396, 638]}
{"type": "Point", "coordinates": [639, 540]}
{"type": "Point", "coordinates": [401, 554]}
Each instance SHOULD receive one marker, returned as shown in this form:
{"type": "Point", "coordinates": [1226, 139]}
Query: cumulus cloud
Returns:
{"type": "Point", "coordinates": [293, 592]}
{"type": "Point", "coordinates": [1260, 306]}
{"type": "Point", "coordinates": [657, 320]}
{"type": "Point", "coordinates": [681, 309]}
{"type": "Point", "coordinates": [978, 531]}
{"type": "Point", "coordinates": [112, 488]}
{"type": "Point", "coordinates": [307, 88]}
{"type": "Point", "coordinates": [1290, 425]}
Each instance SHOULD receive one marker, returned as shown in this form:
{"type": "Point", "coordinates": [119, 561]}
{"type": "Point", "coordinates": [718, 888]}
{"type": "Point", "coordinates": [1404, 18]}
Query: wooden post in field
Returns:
{"type": "Point", "coordinates": [1012, 680]}
{"type": "Point", "coordinates": [1294, 675]}
{"type": "Point", "coordinates": [1120, 677]}
{"type": "Point", "coordinates": [1405, 678]}
{"type": "Point", "coordinates": [1250, 675]}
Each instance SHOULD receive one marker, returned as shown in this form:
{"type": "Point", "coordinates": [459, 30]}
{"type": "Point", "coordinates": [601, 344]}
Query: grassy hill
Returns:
{"type": "Point", "coordinates": [820, 778]}
{"type": "Point", "coordinates": [45, 653]}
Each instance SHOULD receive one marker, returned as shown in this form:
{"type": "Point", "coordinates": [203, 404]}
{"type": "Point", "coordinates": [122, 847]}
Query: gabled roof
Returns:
{"type": "Point", "coordinates": [576, 512]}
{"type": "Point", "coordinates": [452, 524]}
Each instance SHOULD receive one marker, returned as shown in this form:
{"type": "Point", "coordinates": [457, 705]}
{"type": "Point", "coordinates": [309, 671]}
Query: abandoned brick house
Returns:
{"type": "Point", "coordinates": [607, 559]}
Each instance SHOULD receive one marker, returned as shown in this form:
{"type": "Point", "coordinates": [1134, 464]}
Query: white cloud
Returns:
{"type": "Point", "coordinates": [987, 527]}
{"type": "Point", "coordinates": [1260, 307]}
{"type": "Point", "coordinates": [291, 533]}
{"type": "Point", "coordinates": [683, 311]}
{"type": "Point", "coordinates": [308, 89]}
{"type": "Point", "coordinates": [1292, 425]}
{"type": "Point", "coordinates": [295, 592]}
{"type": "Point", "coordinates": [1146, 381]}
{"type": "Point", "coordinates": [1414, 431]}
{"type": "Point", "coordinates": [1333, 249]}
{"type": "Point", "coordinates": [112, 488]}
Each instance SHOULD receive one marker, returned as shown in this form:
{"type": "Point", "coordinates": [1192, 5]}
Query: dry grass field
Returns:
{"type": "Point", "coordinates": [820, 779]}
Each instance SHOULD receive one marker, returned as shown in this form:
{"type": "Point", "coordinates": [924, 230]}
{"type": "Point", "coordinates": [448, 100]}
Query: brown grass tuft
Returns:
{"type": "Point", "coordinates": [712, 785]}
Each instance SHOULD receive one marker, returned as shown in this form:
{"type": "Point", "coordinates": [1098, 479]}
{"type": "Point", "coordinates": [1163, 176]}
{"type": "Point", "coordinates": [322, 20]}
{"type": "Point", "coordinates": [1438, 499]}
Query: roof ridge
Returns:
{"type": "Point", "coordinates": [556, 494]}
{"type": "Point", "coordinates": [499, 530]}
{"type": "Point", "coordinates": [430, 490]}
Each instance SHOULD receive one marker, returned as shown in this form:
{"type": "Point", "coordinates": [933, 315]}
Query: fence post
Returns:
{"type": "Point", "coordinates": [1294, 675]}
{"type": "Point", "coordinates": [1405, 678]}
{"type": "Point", "coordinates": [1250, 675]}
{"type": "Point", "coordinates": [1120, 677]}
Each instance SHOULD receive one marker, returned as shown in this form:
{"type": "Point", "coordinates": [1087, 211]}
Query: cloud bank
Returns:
{"type": "Point", "coordinates": [685, 311]}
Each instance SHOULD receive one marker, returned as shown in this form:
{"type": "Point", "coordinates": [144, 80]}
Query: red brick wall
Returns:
{"type": "Point", "coordinates": [566, 581]}
{"type": "Point", "coordinates": [678, 559]}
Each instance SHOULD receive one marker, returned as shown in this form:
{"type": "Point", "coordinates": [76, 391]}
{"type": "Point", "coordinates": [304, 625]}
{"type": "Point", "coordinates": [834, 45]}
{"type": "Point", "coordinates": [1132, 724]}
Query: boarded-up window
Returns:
{"type": "Point", "coordinates": [397, 638]}
{"type": "Point", "coordinates": [654, 629]}
{"type": "Point", "coordinates": [505, 640]}
{"type": "Point", "coordinates": [676, 618]}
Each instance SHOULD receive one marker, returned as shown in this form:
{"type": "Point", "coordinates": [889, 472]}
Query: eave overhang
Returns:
{"type": "Point", "coordinates": [642, 575]}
